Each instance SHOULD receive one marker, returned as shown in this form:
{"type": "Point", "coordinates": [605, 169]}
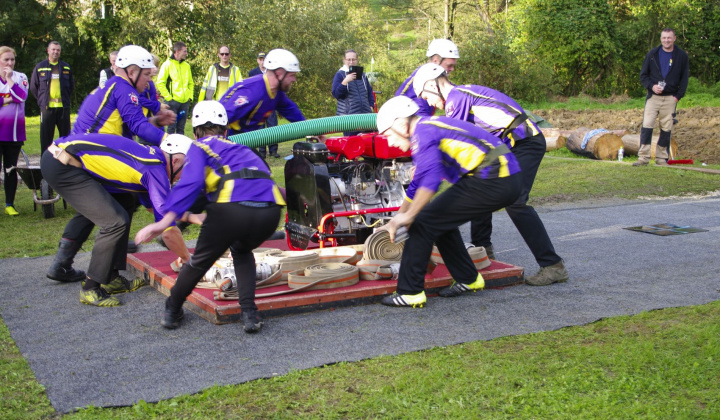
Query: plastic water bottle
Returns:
{"type": "Point", "coordinates": [621, 153]}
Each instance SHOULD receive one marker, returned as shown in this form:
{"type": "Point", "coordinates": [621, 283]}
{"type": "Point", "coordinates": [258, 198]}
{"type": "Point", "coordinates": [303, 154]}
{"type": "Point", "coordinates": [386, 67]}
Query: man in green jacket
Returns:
{"type": "Point", "coordinates": [175, 85]}
{"type": "Point", "coordinates": [220, 77]}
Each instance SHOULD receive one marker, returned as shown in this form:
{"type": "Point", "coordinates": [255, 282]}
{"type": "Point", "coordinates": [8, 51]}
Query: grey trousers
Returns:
{"type": "Point", "coordinates": [90, 199]}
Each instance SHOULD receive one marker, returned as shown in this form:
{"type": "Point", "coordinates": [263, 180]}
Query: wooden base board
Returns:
{"type": "Point", "coordinates": [154, 267]}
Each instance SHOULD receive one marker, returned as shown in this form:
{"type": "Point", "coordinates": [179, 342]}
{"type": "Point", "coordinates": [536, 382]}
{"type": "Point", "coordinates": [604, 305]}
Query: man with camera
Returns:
{"type": "Point", "coordinates": [352, 89]}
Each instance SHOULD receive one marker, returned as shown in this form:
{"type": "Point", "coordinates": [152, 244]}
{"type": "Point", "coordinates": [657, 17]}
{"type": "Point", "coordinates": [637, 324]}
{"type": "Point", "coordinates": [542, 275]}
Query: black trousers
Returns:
{"type": "Point", "coordinates": [228, 225]}
{"type": "Point", "coordinates": [529, 153]}
{"type": "Point", "coordinates": [94, 205]}
{"type": "Point", "coordinates": [182, 110]}
{"type": "Point", "coordinates": [9, 152]}
{"type": "Point", "coordinates": [49, 119]}
{"type": "Point", "coordinates": [438, 223]}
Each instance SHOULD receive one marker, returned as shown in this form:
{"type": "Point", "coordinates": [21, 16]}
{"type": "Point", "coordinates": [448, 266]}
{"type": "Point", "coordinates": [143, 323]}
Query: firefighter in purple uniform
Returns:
{"type": "Point", "coordinates": [88, 170]}
{"type": "Point", "coordinates": [442, 52]}
{"type": "Point", "coordinates": [117, 108]}
{"type": "Point", "coordinates": [501, 116]}
{"type": "Point", "coordinates": [243, 212]}
{"type": "Point", "coordinates": [486, 178]}
{"type": "Point", "coordinates": [250, 102]}
{"type": "Point", "coordinates": [114, 109]}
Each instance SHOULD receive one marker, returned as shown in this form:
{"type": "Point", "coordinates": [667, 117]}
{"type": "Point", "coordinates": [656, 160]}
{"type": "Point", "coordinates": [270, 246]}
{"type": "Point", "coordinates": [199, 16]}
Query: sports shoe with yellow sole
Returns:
{"type": "Point", "coordinates": [98, 297]}
{"type": "Point", "coordinates": [395, 299]}
{"type": "Point", "coordinates": [457, 289]}
{"type": "Point", "coordinates": [10, 211]}
{"type": "Point", "coordinates": [122, 285]}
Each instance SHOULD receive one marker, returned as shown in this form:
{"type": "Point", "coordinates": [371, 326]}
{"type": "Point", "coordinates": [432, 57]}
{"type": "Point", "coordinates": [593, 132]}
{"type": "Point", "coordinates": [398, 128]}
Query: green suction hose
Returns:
{"type": "Point", "coordinates": [298, 130]}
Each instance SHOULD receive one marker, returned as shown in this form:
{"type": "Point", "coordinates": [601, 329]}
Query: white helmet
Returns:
{"type": "Point", "coordinates": [397, 107]}
{"type": "Point", "coordinates": [444, 48]}
{"type": "Point", "coordinates": [209, 112]}
{"type": "Point", "coordinates": [426, 72]}
{"type": "Point", "coordinates": [282, 59]}
{"type": "Point", "coordinates": [176, 143]}
{"type": "Point", "coordinates": [134, 55]}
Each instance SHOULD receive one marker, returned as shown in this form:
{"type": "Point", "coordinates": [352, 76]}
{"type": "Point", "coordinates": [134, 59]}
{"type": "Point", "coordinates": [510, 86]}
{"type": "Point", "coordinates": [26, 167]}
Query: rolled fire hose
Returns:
{"type": "Point", "coordinates": [477, 253]}
{"type": "Point", "coordinates": [298, 130]}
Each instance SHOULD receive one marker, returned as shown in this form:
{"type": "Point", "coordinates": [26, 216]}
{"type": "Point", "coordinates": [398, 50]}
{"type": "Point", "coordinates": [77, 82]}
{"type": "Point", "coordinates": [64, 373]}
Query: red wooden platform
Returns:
{"type": "Point", "coordinates": [155, 268]}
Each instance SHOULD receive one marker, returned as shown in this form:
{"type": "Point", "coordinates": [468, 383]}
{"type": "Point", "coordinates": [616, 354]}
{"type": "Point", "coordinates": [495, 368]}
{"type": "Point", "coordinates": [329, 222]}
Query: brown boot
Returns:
{"type": "Point", "coordinates": [555, 273]}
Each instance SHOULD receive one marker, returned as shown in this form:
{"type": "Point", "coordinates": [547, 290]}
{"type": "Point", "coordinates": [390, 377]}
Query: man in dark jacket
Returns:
{"type": "Point", "coordinates": [353, 92]}
{"type": "Point", "coordinates": [664, 74]}
{"type": "Point", "coordinates": [52, 84]}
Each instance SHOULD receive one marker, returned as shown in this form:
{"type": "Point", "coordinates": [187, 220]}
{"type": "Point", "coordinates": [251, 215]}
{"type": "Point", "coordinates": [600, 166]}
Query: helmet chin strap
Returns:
{"type": "Point", "coordinates": [134, 82]}
{"type": "Point", "coordinates": [438, 93]}
{"type": "Point", "coordinates": [279, 79]}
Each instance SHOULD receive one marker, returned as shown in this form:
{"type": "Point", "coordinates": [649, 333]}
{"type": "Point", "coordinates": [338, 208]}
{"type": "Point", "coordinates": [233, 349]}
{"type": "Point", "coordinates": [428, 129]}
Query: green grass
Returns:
{"type": "Point", "coordinates": [583, 102]}
{"type": "Point", "coordinates": [659, 364]}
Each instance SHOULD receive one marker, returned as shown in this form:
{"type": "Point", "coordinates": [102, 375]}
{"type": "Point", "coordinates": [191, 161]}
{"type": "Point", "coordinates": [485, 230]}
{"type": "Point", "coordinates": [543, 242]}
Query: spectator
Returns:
{"type": "Point", "coordinates": [505, 119]}
{"type": "Point", "coordinates": [220, 77]}
{"type": "Point", "coordinates": [354, 96]}
{"type": "Point", "coordinates": [13, 91]}
{"type": "Point", "coordinates": [52, 84]}
{"type": "Point", "coordinates": [109, 72]}
{"type": "Point", "coordinates": [272, 120]}
{"type": "Point", "coordinates": [664, 74]}
{"type": "Point", "coordinates": [485, 177]}
{"type": "Point", "coordinates": [175, 84]}
{"type": "Point", "coordinates": [442, 52]}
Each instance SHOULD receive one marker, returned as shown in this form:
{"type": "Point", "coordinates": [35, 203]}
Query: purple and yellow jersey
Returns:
{"type": "Point", "coordinates": [207, 161]}
{"type": "Point", "coordinates": [122, 165]}
{"type": "Point", "coordinates": [446, 148]}
{"type": "Point", "coordinates": [250, 102]}
{"type": "Point", "coordinates": [149, 100]}
{"type": "Point", "coordinates": [490, 110]}
{"type": "Point", "coordinates": [406, 89]}
{"type": "Point", "coordinates": [116, 109]}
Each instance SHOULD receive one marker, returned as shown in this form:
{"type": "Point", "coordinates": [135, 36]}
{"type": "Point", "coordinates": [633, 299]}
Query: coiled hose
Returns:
{"type": "Point", "coordinates": [298, 130]}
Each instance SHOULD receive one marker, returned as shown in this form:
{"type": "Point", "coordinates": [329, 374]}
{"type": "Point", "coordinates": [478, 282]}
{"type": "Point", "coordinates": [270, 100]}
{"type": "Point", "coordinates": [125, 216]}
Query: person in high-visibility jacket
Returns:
{"type": "Point", "coordinates": [220, 77]}
{"type": "Point", "coordinates": [176, 86]}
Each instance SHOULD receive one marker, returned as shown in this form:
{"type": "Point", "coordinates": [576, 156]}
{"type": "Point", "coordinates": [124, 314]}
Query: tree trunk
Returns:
{"type": "Point", "coordinates": [601, 146]}
{"type": "Point", "coordinates": [631, 143]}
{"type": "Point", "coordinates": [554, 143]}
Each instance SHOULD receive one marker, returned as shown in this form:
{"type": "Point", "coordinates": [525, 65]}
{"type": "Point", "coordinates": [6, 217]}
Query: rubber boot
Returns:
{"type": "Point", "coordinates": [645, 147]}
{"type": "Point", "coordinates": [61, 268]}
{"type": "Point", "coordinates": [661, 150]}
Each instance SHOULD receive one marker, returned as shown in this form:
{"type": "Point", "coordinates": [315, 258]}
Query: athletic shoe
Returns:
{"type": "Point", "coordinates": [555, 273]}
{"type": "Point", "coordinates": [171, 318]}
{"type": "Point", "coordinates": [122, 285]}
{"type": "Point", "coordinates": [457, 289]}
{"type": "Point", "coordinates": [10, 211]}
{"type": "Point", "coordinates": [251, 320]}
{"type": "Point", "coordinates": [276, 156]}
{"type": "Point", "coordinates": [98, 297]}
{"type": "Point", "coordinates": [395, 299]}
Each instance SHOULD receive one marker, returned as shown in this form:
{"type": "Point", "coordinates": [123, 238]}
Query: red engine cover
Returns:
{"type": "Point", "coordinates": [371, 145]}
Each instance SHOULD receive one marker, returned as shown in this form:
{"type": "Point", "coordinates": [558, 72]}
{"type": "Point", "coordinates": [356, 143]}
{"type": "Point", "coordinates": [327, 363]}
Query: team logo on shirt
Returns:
{"type": "Point", "coordinates": [449, 108]}
{"type": "Point", "coordinates": [242, 100]}
{"type": "Point", "coordinates": [134, 98]}
{"type": "Point", "coordinates": [25, 83]}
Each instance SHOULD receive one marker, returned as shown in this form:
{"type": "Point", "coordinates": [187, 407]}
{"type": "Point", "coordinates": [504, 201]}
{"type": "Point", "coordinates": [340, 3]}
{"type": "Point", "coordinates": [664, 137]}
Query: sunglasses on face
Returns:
{"type": "Point", "coordinates": [224, 53]}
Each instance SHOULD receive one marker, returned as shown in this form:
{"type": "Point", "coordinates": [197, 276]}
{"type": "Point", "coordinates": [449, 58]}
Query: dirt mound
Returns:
{"type": "Point", "coordinates": [697, 132]}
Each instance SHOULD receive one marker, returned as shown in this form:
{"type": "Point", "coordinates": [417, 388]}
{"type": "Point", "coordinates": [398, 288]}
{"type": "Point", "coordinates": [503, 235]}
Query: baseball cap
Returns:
{"type": "Point", "coordinates": [261, 55]}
